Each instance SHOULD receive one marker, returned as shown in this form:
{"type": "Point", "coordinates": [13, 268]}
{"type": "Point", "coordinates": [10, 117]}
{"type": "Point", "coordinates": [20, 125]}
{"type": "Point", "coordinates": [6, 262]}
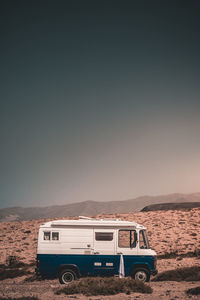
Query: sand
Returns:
{"type": "Point", "coordinates": [169, 232]}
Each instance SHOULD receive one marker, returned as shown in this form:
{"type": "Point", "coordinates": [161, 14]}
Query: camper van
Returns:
{"type": "Point", "coordinates": [70, 249]}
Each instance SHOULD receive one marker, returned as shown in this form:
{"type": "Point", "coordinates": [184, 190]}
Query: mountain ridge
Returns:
{"type": "Point", "coordinates": [91, 207]}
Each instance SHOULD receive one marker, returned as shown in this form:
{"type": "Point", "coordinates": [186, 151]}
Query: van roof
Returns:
{"type": "Point", "coordinates": [92, 223]}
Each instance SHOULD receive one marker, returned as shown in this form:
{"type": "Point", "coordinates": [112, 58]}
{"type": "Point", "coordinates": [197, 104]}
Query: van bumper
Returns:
{"type": "Point", "coordinates": [154, 272]}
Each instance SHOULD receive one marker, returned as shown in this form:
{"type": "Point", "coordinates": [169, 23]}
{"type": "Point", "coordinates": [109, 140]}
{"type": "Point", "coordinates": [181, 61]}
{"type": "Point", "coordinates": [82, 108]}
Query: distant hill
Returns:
{"type": "Point", "coordinates": [88, 208]}
{"type": "Point", "coordinates": [171, 206]}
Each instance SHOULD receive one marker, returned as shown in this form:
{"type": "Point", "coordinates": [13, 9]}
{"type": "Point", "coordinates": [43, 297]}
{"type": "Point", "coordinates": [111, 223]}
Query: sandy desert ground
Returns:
{"type": "Point", "coordinates": [169, 232]}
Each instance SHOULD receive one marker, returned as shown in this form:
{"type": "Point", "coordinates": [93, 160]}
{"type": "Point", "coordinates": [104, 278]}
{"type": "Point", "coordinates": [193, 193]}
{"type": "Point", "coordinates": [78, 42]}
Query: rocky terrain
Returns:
{"type": "Point", "coordinates": [174, 234]}
{"type": "Point", "coordinates": [168, 231]}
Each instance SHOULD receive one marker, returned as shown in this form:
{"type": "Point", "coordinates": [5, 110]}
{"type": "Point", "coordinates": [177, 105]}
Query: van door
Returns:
{"type": "Point", "coordinates": [127, 242]}
{"type": "Point", "coordinates": [127, 245]}
{"type": "Point", "coordinates": [105, 260]}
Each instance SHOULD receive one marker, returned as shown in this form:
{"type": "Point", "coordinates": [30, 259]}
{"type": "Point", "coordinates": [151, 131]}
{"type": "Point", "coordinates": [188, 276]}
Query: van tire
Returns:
{"type": "Point", "coordinates": [141, 274]}
{"type": "Point", "coordinates": [66, 276]}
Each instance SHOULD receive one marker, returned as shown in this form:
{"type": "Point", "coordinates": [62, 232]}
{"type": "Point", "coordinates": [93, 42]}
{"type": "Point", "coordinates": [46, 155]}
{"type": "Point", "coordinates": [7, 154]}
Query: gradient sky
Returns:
{"type": "Point", "coordinates": [99, 100]}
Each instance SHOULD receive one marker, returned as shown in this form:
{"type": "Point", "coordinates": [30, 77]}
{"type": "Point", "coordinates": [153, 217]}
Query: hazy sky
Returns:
{"type": "Point", "coordinates": [99, 100]}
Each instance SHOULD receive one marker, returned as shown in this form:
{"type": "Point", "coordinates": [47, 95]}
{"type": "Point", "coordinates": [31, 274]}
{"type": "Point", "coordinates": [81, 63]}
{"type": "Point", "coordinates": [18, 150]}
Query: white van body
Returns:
{"type": "Point", "coordinates": [93, 247]}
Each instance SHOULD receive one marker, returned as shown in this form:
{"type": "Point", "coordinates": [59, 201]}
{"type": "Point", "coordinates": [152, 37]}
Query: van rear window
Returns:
{"type": "Point", "coordinates": [103, 236]}
{"type": "Point", "coordinates": [54, 236]}
{"type": "Point", "coordinates": [47, 235]}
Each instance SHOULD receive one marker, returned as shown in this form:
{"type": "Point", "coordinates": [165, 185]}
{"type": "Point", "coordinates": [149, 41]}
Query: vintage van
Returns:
{"type": "Point", "coordinates": [70, 249]}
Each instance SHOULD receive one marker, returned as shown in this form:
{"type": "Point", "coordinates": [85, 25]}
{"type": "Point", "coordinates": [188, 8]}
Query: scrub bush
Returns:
{"type": "Point", "coordinates": [21, 298]}
{"type": "Point", "coordinates": [13, 262]}
{"type": "Point", "coordinates": [12, 273]}
{"type": "Point", "coordinates": [104, 286]}
{"type": "Point", "coordinates": [172, 254]}
{"type": "Point", "coordinates": [180, 274]}
{"type": "Point", "coordinates": [194, 291]}
{"type": "Point", "coordinates": [13, 268]}
{"type": "Point", "coordinates": [175, 254]}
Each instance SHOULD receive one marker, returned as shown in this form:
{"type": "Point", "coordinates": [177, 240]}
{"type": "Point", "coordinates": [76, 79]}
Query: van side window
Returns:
{"type": "Point", "coordinates": [127, 239]}
{"type": "Point", "coordinates": [103, 236]}
{"type": "Point", "coordinates": [55, 236]}
{"type": "Point", "coordinates": [47, 235]}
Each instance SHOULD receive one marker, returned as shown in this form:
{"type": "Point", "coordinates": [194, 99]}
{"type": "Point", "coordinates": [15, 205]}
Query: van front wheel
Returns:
{"type": "Point", "coordinates": [141, 274]}
{"type": "Point", "coordinates": [66, 276]}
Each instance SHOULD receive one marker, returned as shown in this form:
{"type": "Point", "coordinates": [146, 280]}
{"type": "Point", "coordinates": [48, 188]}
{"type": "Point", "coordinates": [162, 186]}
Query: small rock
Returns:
{"type": "Point", "coordinates": [179, 258]}
{"type": "Point", "coordinates": [168, 292]}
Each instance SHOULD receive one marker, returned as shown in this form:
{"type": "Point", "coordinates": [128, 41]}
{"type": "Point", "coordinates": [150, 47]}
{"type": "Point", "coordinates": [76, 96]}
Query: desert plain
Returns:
{"type": "Point", "coordinates": [173, 234]}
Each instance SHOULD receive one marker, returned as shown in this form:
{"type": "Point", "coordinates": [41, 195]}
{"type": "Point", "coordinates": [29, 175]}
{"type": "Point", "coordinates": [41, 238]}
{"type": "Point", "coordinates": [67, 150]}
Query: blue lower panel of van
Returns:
{"type": "Point", "coordinates": [48, 264]}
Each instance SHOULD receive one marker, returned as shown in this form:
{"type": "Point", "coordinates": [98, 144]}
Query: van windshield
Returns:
{"type": "Point", "coordinates": [143, 240]}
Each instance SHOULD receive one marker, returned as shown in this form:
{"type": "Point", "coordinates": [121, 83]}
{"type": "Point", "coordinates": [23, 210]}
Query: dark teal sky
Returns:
{"type": "Point", "coordinates": [99, 100]}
